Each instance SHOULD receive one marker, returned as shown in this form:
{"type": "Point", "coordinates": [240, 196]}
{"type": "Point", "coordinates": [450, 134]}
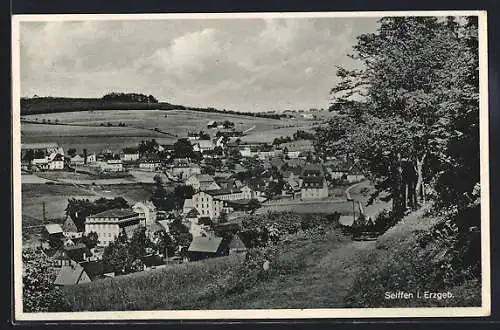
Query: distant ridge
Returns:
{"type": "Point", "coordinates": [116, 101]}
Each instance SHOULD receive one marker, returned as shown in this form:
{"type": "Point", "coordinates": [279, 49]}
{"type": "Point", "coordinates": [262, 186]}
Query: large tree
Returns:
{"type": "Point", "coordinates": [400, 109]}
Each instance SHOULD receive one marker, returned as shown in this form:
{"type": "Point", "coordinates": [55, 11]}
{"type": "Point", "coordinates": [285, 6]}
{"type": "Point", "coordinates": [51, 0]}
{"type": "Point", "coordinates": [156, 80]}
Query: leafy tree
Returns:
{"type": "Point", "coordinates": [403, 107]}
{"type": "Point", "coordinates": [148, 146]}
{"type": "Point", "coordinates": [71, 152]}
{"type": "Point", "coordinates": [39, 292]}
{"type": "Point", "coordinates": [204, 136]}
{"type": "Point", "coordinates": [91, 239]}
{"type": "Point", "coordinates": [116, 254]}
{"type": "Point", "coordinates": [183, 149]}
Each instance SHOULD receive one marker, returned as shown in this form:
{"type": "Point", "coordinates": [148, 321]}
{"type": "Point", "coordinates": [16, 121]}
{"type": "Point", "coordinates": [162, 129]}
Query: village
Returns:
{"type": "Point", "coordinates": [204, 183]}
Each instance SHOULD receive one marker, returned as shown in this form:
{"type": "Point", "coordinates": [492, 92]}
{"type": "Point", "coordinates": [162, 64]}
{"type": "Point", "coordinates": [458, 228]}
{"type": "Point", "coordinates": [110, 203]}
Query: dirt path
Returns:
{"type": "Point", "coordinates": [323, 285]}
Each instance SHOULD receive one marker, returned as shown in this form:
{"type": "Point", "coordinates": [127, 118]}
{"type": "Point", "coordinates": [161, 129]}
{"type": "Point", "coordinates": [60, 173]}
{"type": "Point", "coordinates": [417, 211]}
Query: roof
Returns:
{"type": "Point", "coordinates": [346, 220]}
{"type": "Point", "coordinates": [150, 157]}
{"type": "Point", "coordinates": [69, 275]}
{"type": "Point", "coordinates": [48, 145]}
{"type": "Point", "coordinates": [299, 145]}
{"type": "Point", "coordinates": [188, 203]}
{"type": "Point", "coordinates": [130, 150]}
{"type": "Point", "coordinates": [206, 144]}
{"type": "Point", "coordinates": [152, 260]}
{"type": "Point", "coordinates": [212, 122]}
{"type": "Point", "coordinates": [222, 191]}
{"type": "Point", "coordinates": [164, 224]}
{"type": "Point", "coordinates": [208, 244]}
{"type": "Point", "coordinates": [193, 213]}
{"type": "Point", "coordinates": [95, 268]}
{"type": "Point", "coordinates": [237, 243]}
{"type": "Point", "coordinates": [115, 213]}
{"type": "Point", "coordinates": [53, 228]}
{"type": "Point", "coordinates": [313, 168]}
{"type": "Point", "coordinates": [205, 178]}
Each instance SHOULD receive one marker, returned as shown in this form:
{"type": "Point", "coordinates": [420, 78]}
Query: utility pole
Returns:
{"type": "Point", "coordinates": [43, 212]}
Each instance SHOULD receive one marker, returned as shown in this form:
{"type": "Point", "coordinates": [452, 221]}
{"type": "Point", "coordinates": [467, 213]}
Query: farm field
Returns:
{"type": "Point", "coordinates": [141, 125]}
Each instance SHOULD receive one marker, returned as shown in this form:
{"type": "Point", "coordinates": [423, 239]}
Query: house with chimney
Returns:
{"type": "Point", "coordinates": [313, 182]}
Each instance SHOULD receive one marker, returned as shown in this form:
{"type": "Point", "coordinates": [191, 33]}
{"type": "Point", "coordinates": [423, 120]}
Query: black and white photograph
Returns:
{"type": "Point", "coordinates": [250, 165]}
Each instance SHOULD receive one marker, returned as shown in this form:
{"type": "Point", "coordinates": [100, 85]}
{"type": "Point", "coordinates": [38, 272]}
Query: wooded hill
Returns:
{"type": "Point", "coordinates": [117, 101]}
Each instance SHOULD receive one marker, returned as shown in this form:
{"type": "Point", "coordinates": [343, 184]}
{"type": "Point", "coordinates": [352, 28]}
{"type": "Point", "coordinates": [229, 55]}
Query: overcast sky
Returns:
{"type": "Point", "coordinates": [239, 64]}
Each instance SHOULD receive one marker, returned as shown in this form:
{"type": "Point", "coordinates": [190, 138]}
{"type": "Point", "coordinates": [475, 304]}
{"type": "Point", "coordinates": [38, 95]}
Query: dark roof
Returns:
{"type": "Point", "coordinates": [208, 244]}
{"type": "Point", "coordinates": [130, 150]}
{"type": "Point", "coordinates": [96, 268]}
{"type": "Point", "coordinates": [193, 213]}
{"type": "Point", "coordinates": [313, 182]}
{"type": "Point", "coordinates": [312, 168]}
{"type": "Point", "coordinates": [152, 260]}
{"type": "Point", "coordinates": [115, 213]}
{"type": "Point", "coordinates": [76, 252]}
{"type": "Point", "coordinates": [237, 243]}
{"type": "Point", "coordinates": [223, 191]}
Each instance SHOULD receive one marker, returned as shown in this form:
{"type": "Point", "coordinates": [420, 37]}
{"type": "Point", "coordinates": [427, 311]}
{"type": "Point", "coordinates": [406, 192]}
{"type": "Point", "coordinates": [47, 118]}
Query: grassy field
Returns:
{"type": "Point", "coordinates": [141, 125]}
{"type": "Point", "coordinates": [310, 270]}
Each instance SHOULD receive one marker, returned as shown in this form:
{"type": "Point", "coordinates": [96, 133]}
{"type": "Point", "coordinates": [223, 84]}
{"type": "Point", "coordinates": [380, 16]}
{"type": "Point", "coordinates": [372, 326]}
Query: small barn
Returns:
{"type": "Point", "coordinates": [203, 247]}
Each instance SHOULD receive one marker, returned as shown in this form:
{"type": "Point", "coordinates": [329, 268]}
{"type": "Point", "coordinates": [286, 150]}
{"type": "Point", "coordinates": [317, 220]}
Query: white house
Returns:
{"type": "Point", "coordinates": [108, 224]}
{"type": "Point", "coordinates": [56, 162]}
{"type": "Point", "coordinates": [207, 204]}
{"type": "Point", "coordinates": [150, 162]}
{"type": "Point", "coordinates": [203, 146]}
{"type": "Point", "coordinates": [129, 154]}
{"type": "Point", "coordinates": [313, 185]}
{"type": "Point", "coordinates": [182, 168]}
{"type": "Point", "coordinates": [77, 160]}
{"type": "Point", "coordinates": [146, 211]}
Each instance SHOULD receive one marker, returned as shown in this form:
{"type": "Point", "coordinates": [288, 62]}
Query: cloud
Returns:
{"type": "Point", "coordinates": [187, 53]}
{"type": "Point", "coordinates": [245, 64]}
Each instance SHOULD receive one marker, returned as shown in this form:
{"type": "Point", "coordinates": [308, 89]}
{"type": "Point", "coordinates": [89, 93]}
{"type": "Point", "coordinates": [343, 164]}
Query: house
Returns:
{"type": "Point", "coordinates": [202, 182]}
{"type": "Point", "coordinates": [202, 247]}
{"type": "Point", "coordinates": [110, 163]}
{"type": "Point", "coordinates": [92, 158]}
{"type": "Point", "coordinates": [71, 275]}
{"type": "Point", "coordinates": [313, 182]}
{"type": "Point", "coordinates": [146, 211]}
{"type": "Point", "coordinates": [78, 252]}
{"type": "Point", "coordinates": [129, 154]}
{"type": "Point", "coordinates": [298, 148]}
{"type": "Point", "coordinates": [56, 162]}
{"type": "Point", "coordinates": [150, 162]}
{"type": "Point", "coordinates": [71, 230]}
{"type": "Point", "coordinates": [212, 124]}
{"type": "Point", "coordinates": [208, 204]}
{"type": "Point", "coordinates": [188, 205]}
{"type": "Point", "coordinates": [236, 245]}
{"type": "Point", "coordinates": [204, 146]}
{"type": "Point", "coordinates": [108, 224]}
{"type": "Point", "coordinates": [182, 168]}
{"type": "Point", "coordinates": [53, 234]}
{"type": "Point", "coordinates": [42, 148]}
{"type": "Point", "coordinates": [97, 269]}
{"type": "Point", "coordinates": [77, 160]}
{"type": "Point", "coordinates": [152, 261]}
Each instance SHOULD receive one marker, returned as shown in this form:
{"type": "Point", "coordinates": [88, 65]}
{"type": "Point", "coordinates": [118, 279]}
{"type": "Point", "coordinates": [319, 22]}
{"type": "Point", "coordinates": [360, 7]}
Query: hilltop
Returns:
{"type": "Point", "coordinates": [117, 101]}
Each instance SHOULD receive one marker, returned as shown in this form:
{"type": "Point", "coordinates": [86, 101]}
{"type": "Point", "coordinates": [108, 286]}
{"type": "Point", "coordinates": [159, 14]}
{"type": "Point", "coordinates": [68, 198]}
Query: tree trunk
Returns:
{"type": "Point", "coordinates": [419, 188]}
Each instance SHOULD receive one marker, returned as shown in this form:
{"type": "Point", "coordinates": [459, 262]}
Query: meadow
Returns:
{"type": "Point", "coordinates": [82, 129]}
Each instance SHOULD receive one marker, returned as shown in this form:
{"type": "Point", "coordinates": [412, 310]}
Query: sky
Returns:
{"type": "Point", "coordinates": [238, 64]}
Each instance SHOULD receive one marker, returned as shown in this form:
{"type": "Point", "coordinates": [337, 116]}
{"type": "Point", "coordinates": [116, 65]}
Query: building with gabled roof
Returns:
{"type": "Point", "coordinates": [108, 224]}
{"type": "Point", "coordinates": [71, 274]}
{"type": "Point", "coordinates": [202, 247]}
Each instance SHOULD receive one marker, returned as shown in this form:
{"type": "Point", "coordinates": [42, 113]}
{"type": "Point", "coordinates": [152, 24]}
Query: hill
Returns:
{"type": "Point", "coordinates": [117, 101]}
{"type": "Point", "coordinates": [314, 269]}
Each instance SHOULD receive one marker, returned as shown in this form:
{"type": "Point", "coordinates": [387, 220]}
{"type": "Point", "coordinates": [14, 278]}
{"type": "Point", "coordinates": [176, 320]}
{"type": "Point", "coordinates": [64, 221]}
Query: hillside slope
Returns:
{"type": "Point", "coordinates": [320, 269]}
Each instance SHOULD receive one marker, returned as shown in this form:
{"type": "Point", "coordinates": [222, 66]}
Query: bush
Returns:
{"type": "Point", "coordinates": [39, 292]}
